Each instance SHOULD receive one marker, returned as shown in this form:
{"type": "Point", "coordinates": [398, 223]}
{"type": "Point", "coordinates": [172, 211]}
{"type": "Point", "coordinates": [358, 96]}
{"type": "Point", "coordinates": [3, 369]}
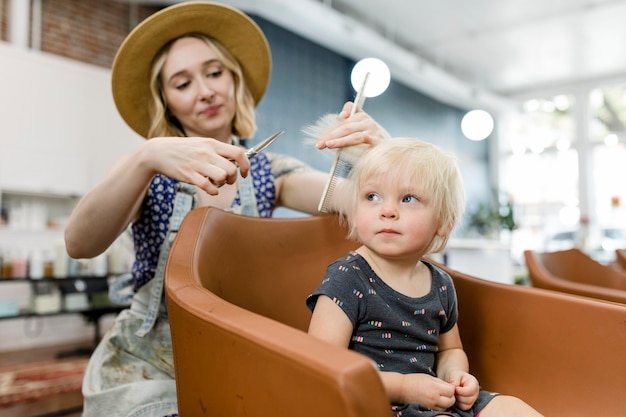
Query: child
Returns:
{"type": "Point", "coordinates": [402, 200]}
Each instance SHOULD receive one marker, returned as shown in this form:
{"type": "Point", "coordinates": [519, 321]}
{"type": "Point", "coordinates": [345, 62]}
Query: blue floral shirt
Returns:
{"type": "Point", "coordinates": [151, 227]}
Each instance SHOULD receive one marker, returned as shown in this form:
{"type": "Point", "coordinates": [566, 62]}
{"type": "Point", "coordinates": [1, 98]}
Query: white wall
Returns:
{"type": "Point", "coordinates": [60, 133]}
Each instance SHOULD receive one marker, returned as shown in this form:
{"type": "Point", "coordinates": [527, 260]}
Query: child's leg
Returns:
{"type": "Point", "coordinates": [507, 406]}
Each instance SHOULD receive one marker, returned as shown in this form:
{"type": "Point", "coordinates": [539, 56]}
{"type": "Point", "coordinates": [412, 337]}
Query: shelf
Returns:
{"type": "Point", "coordinates": [88, 285]}
{"type": "Point", "coordinates": [47, 194]}
{"type": "Point", "coordinates": [54, 279]}
{"type": "Point", "coordinates": [25, 210]}
{"type": "Point", "coordinates": [91, 314]}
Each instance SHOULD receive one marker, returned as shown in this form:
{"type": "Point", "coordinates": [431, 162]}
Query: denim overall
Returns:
{"type": "Point", "coordinates": [131, 372]}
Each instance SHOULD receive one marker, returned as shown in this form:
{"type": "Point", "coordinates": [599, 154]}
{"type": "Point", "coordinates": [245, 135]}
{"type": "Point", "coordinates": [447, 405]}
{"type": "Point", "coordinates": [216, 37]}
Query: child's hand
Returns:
{"type": "Point", "coordinates": [466, 391]}
{"type": "Point", "coordinates": [428, 391]}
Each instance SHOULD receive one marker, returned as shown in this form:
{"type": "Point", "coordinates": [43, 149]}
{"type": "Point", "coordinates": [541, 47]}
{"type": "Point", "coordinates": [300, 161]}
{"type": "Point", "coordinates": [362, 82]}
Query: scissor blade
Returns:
{"type": "Point", "coordinates": [262, 145]}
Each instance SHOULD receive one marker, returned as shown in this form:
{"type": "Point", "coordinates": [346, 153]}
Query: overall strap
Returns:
{"type": "Point", "coordinates": [246, 196]}
{"type": "Point", "coordinates": [184, 201]}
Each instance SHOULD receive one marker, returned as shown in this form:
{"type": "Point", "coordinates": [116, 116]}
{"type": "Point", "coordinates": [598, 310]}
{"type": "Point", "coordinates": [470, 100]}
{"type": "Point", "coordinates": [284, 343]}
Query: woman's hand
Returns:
{"type": "Point", "coordinates": [357, 129]}
{"type": "Point", "coordinates": [105, 211]}
{"type": "Point", "coordinates": [206, 163]}
{"type": "Point", "coordinates": [467, 387]}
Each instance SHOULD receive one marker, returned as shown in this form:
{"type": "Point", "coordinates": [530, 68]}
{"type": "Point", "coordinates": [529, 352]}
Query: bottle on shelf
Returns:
{"type": "Point", "coordinates": [61, 260]}
{"type": "Point", "coordinates": [48, 266]}
{"type": "Point", "coordinates": [73, 268]}
{"type": "Point", "coordinates": [19, 264]}
{"type": "Point", "coordinates": [36, 264]}
{"type": "Point", "coordinates": [7, 265]}
{"type": "Point", "coordinates": [99, 265]}
{"type": "Point", "coordinates": [1, 263]}
{"type": "Point", "coordinates": [116, 264]}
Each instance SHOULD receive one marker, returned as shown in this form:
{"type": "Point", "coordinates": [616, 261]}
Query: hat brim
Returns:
{"type": "Point", "coordinates": [229, 26]}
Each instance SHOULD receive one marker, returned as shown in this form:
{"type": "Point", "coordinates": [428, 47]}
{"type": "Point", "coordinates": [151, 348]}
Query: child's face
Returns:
{"type": "Point", "coordinates": [395, 220]}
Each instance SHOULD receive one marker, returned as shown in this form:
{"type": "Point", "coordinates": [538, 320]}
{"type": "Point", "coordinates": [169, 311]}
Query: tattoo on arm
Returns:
{"type": "Point", "coordinates": [284, 165]}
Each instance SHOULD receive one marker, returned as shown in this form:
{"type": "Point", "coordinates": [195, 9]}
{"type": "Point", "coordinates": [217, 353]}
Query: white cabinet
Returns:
{"type": "Point", "coordinates": [481, 258]}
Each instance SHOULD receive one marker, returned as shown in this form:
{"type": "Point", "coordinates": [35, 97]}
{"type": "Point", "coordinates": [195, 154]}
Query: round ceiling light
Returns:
{"type": "Point", "coordinates": [377, 73]}
{"type": "Point", "coordinates": [477, 124]}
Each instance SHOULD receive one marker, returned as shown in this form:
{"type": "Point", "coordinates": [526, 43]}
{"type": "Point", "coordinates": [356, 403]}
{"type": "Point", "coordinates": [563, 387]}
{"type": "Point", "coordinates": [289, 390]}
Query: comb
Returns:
{"type": "Point", "coordinates": [345, 158]}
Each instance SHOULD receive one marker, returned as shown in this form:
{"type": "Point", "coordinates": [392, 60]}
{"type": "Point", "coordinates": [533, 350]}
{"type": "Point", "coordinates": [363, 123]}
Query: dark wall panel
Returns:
{"type": "Point", "coordinates": [309, 80]}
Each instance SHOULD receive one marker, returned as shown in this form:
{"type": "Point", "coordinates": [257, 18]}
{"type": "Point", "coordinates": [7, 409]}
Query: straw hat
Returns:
{"type": "Point", "coordinates": [232, 28]}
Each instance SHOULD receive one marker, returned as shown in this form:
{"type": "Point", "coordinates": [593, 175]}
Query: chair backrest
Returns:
{"type": "Point", "coordinates": [574, 272]}
{"type": "Point", "coordinates": [232, 358]}
{"type": "Point", "coordinates": [236, 289]}
{"type": "Point", "coordinates": [268, 266]}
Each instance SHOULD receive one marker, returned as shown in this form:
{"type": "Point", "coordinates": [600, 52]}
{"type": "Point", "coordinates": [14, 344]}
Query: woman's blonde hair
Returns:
{"type": "Point", "coordinates": [164, 124]}
{"type": "Point", "coordinates": [412, 164]}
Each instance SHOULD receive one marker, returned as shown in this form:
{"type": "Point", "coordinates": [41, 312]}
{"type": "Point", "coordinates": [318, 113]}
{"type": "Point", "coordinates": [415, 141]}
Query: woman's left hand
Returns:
{"type": "Point", "coordinates": [357, 129]}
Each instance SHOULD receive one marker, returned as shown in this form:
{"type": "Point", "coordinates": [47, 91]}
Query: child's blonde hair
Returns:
{"type": "Point", "coordinates": [407, 162]}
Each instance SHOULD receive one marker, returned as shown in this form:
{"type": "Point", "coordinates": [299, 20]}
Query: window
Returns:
{"type": "Point", "coordinates": [542, 159]}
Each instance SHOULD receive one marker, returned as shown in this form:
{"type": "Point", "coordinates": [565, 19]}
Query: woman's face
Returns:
{"type": "Point", "coordinates": [198, 89]}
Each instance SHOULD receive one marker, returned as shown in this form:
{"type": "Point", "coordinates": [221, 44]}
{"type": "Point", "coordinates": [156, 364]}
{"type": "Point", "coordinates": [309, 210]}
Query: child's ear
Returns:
{"type": "Point", "coordinates": [444, 230]}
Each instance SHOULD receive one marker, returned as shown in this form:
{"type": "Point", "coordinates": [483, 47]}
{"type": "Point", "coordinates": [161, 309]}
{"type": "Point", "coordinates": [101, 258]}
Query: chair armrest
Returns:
{"type": "Point", "coordinates": [562, 354]}
{"type": "Point", "coordinates": [257, 366]}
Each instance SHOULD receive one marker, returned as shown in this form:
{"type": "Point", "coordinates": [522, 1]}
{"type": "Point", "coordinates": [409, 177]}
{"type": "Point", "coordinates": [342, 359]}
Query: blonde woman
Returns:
{"type": "Point", "coordinates": [188, 79]}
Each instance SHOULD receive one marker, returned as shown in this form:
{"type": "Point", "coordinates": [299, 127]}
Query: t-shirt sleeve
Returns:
{"type": "Point", "coordinates": [342, 285]}
{"type": "Point", "coordinates": [447, 296]}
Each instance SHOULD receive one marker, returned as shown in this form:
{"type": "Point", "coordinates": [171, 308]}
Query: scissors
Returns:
{"type": "Point", "coordinates": [253, 151]}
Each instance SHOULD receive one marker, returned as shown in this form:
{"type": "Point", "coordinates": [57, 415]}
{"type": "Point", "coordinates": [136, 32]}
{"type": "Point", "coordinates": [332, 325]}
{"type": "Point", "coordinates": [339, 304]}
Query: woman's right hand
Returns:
{"type": "Point", "coordinates": [203, 162]}
{"type": "Point", "coordinates": [106, 210]}
{"type": "Point", "coordinates": [352, 129]}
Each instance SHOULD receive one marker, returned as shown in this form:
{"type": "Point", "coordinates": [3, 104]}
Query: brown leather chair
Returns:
{"type": "Point", "coordinates": [236, 288]}
{"type": "Point", "coordinates": [574, 272]}
{"type": "Point", "coordinates": [620, 258]}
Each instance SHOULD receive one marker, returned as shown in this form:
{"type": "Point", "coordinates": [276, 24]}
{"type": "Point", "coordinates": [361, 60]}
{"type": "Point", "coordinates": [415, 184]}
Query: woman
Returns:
{"type": "Point", "coordinates": [187, 78]}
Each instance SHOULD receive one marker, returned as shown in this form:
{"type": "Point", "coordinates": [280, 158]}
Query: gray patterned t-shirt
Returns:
{"type": "Point", "coordinates": [399, 333]}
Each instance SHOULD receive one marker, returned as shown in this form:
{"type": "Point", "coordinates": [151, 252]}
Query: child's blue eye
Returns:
{"type": "Point", "coordinates": [409, 199]}
{"type": "Point", "coordinates": [372, 197]}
